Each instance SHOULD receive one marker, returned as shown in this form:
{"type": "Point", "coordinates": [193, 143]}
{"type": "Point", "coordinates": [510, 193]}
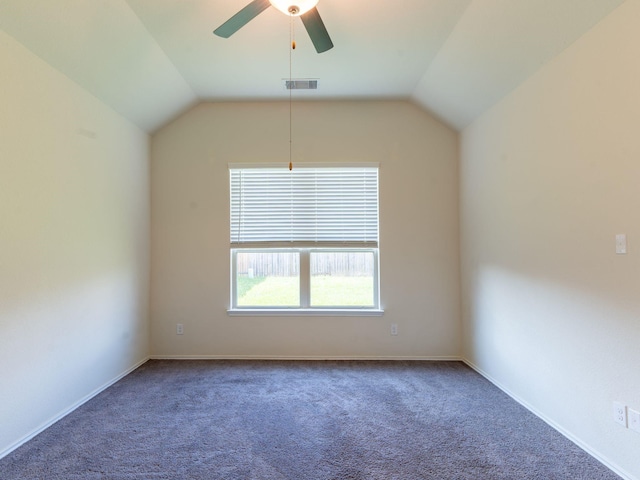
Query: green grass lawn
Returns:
{"type": "Point", "coordinates": [245, 284]}
{"type": "Point", "coordinates": [333, 291]}
{"type": "Point", "coordinates": [326, 291]}
{"type": "Point", "coordinates": [268, 292]}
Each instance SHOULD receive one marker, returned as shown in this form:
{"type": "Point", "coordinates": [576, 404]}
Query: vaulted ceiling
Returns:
{"type": "Point", "coordinates": [152, 59]}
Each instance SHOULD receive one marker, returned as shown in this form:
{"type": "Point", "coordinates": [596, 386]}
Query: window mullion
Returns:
{"type": "Point", "coordinates": [305, 278]}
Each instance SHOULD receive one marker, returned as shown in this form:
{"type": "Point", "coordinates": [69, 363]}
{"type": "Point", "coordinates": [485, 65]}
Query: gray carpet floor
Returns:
{"type": "Point", "coordinates": [209, 420]}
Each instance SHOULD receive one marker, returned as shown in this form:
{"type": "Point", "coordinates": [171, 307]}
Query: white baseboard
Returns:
{"type": "Point", "coordinates": [69, 409]}
{"type": "Point", "coordinates": [597, 455]}
{"type": "Point", "coordinates": [303, 357]}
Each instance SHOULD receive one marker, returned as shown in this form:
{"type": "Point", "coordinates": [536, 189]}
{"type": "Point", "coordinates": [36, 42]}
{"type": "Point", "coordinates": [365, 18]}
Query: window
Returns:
{"type": "Point", "coordinates": [304, 240]}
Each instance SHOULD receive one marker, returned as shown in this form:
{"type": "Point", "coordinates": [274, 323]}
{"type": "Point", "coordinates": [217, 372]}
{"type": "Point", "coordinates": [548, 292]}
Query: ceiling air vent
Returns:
{"type": "Point", "coordinates": [304, 84]}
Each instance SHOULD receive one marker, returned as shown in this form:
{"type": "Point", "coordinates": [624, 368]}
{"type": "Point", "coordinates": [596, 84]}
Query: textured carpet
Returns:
{"type": "Point", "coordinates": [210, 420]}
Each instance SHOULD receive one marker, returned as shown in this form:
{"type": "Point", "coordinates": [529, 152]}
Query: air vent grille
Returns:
{"type": "Point", "coordinates": [301, 84]}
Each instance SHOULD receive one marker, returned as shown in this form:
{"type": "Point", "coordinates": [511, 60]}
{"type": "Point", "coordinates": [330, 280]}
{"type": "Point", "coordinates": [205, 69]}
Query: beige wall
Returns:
{"type": "Point", "coordinates": [418, 223]}
{"type": "Point", "coordinates": [73, 244]}
{"type": "Point", "coordinates": [549, 176]}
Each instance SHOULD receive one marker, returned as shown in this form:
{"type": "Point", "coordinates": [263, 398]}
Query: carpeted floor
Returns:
{"type": "Point", "coordinates": [210, 420]}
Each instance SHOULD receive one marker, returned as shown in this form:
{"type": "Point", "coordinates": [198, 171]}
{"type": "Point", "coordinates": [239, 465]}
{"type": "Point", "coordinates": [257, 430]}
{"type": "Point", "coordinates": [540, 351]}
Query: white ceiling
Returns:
{"type": "Point", "coordinates": [152, 59]}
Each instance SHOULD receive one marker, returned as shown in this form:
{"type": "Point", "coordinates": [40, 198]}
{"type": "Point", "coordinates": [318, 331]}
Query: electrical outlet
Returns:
{"type": "Point", "coordinates": [620, 414]}
{"type": "Point", "coordinates": [179, 329]}
{"type": "Point", "coordinates": [634, 420]}
{"type": "Point", "coordinates": [394, 329]}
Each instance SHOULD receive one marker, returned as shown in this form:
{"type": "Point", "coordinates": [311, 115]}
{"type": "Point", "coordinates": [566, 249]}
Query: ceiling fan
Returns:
{"type": "Point", "coordinates": [305, 9]}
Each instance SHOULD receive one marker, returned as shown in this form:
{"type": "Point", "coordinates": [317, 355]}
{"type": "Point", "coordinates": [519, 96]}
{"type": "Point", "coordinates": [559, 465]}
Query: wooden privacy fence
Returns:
{"type": "Point", "coordinates": [286, 264]}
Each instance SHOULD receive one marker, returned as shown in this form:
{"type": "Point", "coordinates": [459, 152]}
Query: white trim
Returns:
{"type": "Point", "coordinates": [304, 279]}
{"type": "Point", "coordinates": [60, 415]}
{"type": "Point", "coordinates": [305, 312]}
{"type": "Point", "coordinates": [595, 454]}
{"type": "Point", "coordinates": [308, 358]}
{"type": "Point", "coordinates": [304, 283]}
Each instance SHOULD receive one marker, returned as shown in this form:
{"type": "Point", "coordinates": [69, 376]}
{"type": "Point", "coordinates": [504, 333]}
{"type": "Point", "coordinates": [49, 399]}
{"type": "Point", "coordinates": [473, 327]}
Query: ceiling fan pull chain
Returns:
{"type": "Point", "coordinates": [293, 34]}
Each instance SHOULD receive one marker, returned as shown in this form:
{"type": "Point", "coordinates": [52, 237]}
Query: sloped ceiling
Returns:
{"type": "Point", "coordinates": [152, 59]}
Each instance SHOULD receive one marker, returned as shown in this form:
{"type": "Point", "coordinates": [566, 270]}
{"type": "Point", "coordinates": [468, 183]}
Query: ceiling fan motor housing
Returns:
{"type": "Point", "coordinates": [294, 8]}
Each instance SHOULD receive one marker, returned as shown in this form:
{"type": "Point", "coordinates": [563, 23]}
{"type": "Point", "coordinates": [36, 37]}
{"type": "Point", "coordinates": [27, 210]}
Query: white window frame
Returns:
{"type": "Point", "coordinates": [304, 250]}
{"type": "Point", "coordinates": [305, 286]}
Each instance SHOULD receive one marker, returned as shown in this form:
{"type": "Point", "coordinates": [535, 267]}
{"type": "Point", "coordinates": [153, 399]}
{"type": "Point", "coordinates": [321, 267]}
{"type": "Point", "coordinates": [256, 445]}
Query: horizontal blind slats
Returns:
{"type": "Point", "coordinates": [318, 205]}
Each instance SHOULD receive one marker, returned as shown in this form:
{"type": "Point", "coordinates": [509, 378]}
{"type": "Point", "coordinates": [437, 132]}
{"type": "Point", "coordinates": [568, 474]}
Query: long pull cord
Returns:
{"type": "Point", "coordinates": [293, 46]}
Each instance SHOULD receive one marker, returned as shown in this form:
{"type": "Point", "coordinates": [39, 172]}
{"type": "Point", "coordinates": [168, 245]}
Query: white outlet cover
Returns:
{"type": "Point", "coordinates": [634, 420]}
{"type": "Point", "coordinates": [620, 413]}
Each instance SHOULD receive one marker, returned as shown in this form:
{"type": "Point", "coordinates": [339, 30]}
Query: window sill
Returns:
{"type": "Point", "coordinates": [305, 312]}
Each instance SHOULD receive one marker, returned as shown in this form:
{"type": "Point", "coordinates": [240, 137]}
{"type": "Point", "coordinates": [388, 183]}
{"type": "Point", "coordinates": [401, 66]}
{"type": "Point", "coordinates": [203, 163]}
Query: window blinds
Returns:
{"type": "Point", "coordinates": [319, 205]}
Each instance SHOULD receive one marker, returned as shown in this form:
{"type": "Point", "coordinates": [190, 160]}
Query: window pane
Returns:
{"type": "Point", "coordinates": [268, 279]}
{"type": "Point", "coordinates": [342, 279]}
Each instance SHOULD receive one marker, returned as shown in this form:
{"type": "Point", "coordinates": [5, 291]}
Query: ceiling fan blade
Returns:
{"type": "Point", "coordinates": [241, 18]}
{"type": "Point", "coordinates": [317, 31]}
